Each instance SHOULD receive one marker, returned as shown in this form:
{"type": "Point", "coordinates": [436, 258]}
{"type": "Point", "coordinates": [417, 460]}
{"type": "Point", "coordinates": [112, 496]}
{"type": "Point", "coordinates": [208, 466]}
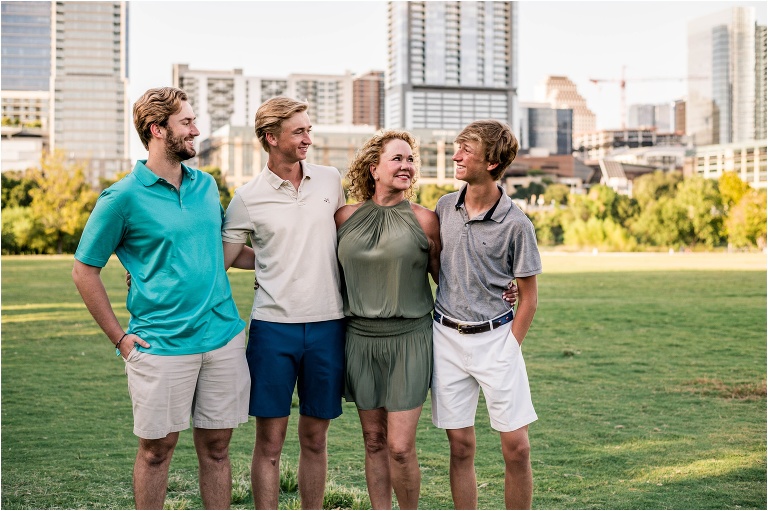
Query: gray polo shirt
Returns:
{"type": "Point", "coordinates": [480, 256]}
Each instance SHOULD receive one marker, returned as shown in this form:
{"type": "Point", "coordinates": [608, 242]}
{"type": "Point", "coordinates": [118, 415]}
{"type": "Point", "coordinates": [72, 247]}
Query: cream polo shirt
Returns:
{"type": "Point", "coordinates": [293, 235]}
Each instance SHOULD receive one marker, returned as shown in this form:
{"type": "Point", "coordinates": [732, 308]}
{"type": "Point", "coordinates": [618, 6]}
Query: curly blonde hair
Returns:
{"type": "Point", "coordinates": [361, 182]}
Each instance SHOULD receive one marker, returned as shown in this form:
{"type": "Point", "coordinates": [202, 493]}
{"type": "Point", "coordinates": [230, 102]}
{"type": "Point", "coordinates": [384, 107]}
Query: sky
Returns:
{"type": "Point", "coordinates": [578, 39]}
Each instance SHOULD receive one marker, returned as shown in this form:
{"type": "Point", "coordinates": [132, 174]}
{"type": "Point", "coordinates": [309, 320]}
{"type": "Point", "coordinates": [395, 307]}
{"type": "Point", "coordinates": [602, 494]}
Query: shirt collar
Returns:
{"type": "Point", "coordinates": [148, 178]}
{"type": "Point", "coordinates": [497, 212]}
{"type": "Point", "coordinates": [275, 181]}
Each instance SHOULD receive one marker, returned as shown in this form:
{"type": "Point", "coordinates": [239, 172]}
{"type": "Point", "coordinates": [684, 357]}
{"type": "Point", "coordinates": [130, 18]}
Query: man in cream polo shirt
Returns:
{"type": "Point", "coordinates": [297, 326]}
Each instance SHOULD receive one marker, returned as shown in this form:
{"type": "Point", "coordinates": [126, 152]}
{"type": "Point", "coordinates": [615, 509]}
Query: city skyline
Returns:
{"type": "Point", "coordinates": [555, 38]}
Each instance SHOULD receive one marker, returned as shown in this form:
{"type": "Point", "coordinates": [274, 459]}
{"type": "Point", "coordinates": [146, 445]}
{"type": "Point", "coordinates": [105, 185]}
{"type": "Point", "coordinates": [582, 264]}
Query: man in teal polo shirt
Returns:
{"type": "Point", "coordinates": [184, 349]}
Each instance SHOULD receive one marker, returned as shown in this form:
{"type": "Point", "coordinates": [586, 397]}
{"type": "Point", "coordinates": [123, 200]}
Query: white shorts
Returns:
{"type": "Point", "coordinates": [212, 387]}
{"type": "Point", "coordinates": [465, 362]}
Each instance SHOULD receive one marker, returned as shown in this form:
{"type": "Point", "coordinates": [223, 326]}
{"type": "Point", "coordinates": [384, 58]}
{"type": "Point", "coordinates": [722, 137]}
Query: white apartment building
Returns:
{"type": "Point", "coordinates": [228, 97]}
{"type": "Point", "coordinates": [451, 63]}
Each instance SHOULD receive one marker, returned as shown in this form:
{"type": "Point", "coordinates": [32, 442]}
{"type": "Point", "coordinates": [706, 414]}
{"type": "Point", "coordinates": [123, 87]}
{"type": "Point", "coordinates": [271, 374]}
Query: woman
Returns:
{"type": "Point", "coordinates": [386, 247]}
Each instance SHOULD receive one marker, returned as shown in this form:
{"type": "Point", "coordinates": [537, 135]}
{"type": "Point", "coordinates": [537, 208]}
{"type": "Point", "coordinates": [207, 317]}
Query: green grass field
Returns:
{"type": "Point", "coordinates": [648, 373]}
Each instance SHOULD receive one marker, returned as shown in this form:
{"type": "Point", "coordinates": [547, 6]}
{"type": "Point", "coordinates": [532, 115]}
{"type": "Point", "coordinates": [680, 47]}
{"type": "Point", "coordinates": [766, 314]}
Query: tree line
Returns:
{"type": "Point", "coordinates": [45, 210]}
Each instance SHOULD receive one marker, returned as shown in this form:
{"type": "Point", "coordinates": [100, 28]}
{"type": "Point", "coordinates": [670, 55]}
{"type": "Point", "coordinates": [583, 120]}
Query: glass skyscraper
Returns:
{"type": "Point", "coordinates": [26, 48]}
{"type": "Point", "coordinates": [451, 63]}
{"type": "Point", "coordinates": [26, 63]}
{"type": "Point", "coordinates": [721, 105]}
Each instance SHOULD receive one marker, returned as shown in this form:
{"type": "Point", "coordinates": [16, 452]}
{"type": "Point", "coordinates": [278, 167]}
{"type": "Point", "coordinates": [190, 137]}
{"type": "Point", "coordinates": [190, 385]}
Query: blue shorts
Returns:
{"type": "Point", "coordinates": [282, 355]}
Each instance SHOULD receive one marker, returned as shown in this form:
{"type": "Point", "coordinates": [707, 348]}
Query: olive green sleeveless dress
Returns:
{"type": "Point", "coordinates": [383, 252]}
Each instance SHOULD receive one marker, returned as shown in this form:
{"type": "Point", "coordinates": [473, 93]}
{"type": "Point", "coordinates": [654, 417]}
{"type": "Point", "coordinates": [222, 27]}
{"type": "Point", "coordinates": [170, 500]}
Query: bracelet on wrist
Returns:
{"type": "Point", "coordinates": [117, 345]}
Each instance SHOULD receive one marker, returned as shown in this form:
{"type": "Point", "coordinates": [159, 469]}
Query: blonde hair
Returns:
{"type": "Point", "coordinates": [155, 107]}
{"type": "Point", "coordinates": [272, 113]}
{"type": "Point", "coordinates": [498, 143]}
{"type": "Point", "coordinates": [361, 182]}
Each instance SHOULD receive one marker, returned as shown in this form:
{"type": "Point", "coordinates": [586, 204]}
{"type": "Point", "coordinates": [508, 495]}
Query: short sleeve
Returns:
{"type": "Point", "coordinates": [103, 232]}
{"type": "Point", "coordinates": [525, 251]}
{"type": "Point", "coordinates": [237, 222]}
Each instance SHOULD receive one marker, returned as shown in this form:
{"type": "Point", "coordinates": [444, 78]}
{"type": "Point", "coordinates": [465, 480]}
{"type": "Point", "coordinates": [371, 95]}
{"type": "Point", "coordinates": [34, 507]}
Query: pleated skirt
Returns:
{"type": "Point", "coordinates": [388, 362]}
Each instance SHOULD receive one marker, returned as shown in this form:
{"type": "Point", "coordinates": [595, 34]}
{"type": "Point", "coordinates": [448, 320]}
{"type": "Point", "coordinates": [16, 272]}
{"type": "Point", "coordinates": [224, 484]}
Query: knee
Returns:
{"type": "Point", "coordinates": [375, 441]}
{"type": "Point", "coordinates": [314, 443]}
{"type": "Point", "coordinates": [517, 452]}
{"type": "Point", "coordinates": [402, 454]}
{"type": "Point", "coordinates": [402, 450]}
{"type": "Point", "coordinates": [270, 446]}
{"type": "Point", "coordinates": [462, 449]}
{"type": "Point", "coordinates": [156, 452]}
{"type": "Point", "coordinates": [217, 451]}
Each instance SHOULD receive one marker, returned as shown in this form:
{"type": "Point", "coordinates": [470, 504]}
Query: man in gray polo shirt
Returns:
{"type": "Point", "coordinates": [487, 241]}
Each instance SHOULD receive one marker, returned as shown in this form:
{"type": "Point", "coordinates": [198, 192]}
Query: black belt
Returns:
{"type": "Point", "coordinates": [476, 328]}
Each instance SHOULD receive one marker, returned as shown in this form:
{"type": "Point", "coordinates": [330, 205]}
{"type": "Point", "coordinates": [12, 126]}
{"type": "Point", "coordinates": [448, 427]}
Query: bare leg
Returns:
{"type": "Point", "coordinates": [377, 476]}
{"type": "Point", "coordinates": [463, 478]}
{"type": "Point", "coordinates": [518, 477]}
{"type": "Point", "coordinates": [215, 472]}
{"type": "Point", "coordinates": [404, 465]}
{"type": "Point", "coordinates": [265, 466]}
{"type": "Point", "coordinates": [150, 471]}
{"type": "Point", "coordinates": [313, 461]}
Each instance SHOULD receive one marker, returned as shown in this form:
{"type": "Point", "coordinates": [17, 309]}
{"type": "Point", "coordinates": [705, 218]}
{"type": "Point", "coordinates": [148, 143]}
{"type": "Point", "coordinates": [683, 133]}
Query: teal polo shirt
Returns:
{"type": "Point", "coordinates": [169, 240]}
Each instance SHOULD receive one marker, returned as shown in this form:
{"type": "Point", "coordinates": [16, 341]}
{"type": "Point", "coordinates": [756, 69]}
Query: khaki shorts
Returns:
{"type": "Point", "coordinates": [212, 387]}
{"type": "Point", "coordinates": [463, 363]}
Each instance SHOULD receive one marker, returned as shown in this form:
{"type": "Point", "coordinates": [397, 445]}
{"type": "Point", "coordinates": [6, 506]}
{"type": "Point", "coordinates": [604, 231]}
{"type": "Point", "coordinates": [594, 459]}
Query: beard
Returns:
{"type": "Point", "coordinates": [176, 148]}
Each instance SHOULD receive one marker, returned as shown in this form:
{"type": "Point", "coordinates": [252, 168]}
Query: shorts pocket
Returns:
{"type": "Point", "coordinates": [132, 355]}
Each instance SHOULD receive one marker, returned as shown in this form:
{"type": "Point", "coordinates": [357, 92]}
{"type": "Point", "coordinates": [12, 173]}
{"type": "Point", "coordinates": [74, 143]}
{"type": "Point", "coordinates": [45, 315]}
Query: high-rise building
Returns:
{"type": "Point", "coordinates": [65, 74]}
{"type": "Point", "coordinates": [655, 116]}
{"type": "Point", "coordinates": [760, 83]}
{"type": "Point", "coordinates": [26, 63]}
{"type": "Point", "coordinates": [451, 63]}
{"type": "Point", "coordinates": [221, 97]}
{"type": "Point", "coordinates": [329, 96]}
{"type": "Point", "coordinates": [721, 48]}
{"type": "Point", "coordinates": [89, 110]}
{"type": "Point", "coordinates": [679, 114]}
{"type": "Point", "coordinates": [368, 99]}
{"type": "Point", "coordinates": [641, 116]}
{"type": "Point", "coordinates": [545, 129]}
{"type": "Point", "coordinates": [25, 77]}
{"type": "Point", "coordinates": [560, 92]}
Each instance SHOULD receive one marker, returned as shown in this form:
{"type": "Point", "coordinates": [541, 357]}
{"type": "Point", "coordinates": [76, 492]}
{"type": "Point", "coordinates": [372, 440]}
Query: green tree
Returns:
{"type": "Point", "coordinates": [62, 200]}
{"type": "Point", "coordinates": [690, 215]}
{"type": "Point", "coordinates": [15, 189]}
{"type": "Point", "coordinates": [225, 195]}
{"type": "Point", "coordinates": [700, 199]}
{"type": "Point", "coordinates": [21, 234]}
{"type": "Point", "coordinates": [428, 195]}
{"type": "Point", "coordinates": [599, 233]}
{"type": "Point", "coordinates": [654, 186]}
{"type": "Point", "coordinates": [732, 189]}
{"type": "Point", "coordinates": [746, 222]}
{"type": "Point", "coordinates": [549, 226]}
{"type": "Point", "coordinates": [557, 193]}
{"type": "Point", "coordinates": [526, 192]}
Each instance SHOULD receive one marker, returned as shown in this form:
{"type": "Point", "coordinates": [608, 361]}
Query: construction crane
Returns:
{"type": "Point", "coordinates": [623, 87]}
